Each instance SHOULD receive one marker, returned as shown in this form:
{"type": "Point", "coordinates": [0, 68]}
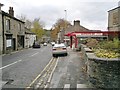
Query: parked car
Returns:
{"type": "Point", "coordinates": [36, 45]}
{"type": "Point", "coordinates": [52, 43]}
{"type": "Point", "coordinates": [44, 44]}
{"type": "Point", "coordinates": [59, 49]}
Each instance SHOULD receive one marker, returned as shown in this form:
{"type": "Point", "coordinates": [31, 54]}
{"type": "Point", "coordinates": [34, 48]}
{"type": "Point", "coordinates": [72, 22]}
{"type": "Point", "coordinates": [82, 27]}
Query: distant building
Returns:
{"type": "Point", "coordinates": [114, 19]}
{"type": "Point", "coordinates": [13, 32]}
{"type": "Point", "coordinates": [76, 27]}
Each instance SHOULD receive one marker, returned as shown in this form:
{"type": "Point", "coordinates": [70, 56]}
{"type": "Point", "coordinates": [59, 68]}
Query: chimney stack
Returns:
{"type": "Point", "coordinates": [76, 23]}
{"type": "Point", "coordinates": [11, 11]}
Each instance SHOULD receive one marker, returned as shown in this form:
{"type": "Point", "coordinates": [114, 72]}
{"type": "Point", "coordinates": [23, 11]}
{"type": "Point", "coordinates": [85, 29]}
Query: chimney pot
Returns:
{"type": "Point", "coordinates": [11, 11]}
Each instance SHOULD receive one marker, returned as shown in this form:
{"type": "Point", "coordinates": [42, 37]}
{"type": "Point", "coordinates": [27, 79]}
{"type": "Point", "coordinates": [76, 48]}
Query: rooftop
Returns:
{"type": "Point", "coordinates": [114, 8]}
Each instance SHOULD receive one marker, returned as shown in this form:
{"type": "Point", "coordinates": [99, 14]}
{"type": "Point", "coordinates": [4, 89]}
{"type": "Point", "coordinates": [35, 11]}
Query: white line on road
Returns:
{"type": "Point", "coordinates": [34, 54]}
{"type": "Point", "coordinates": [10, 64]}
{"type": "Point", "coordinates": [27, 88]}
{"type": "Point", "coordinates": [81, 86]}
{"type": "Point", "coordinates": [67, 87]}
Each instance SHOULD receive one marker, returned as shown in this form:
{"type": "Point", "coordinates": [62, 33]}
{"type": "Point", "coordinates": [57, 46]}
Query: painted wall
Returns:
{"type": "Point", "coordinates": [29, 40]}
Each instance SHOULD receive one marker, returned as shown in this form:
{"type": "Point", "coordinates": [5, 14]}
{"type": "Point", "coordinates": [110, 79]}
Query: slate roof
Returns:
{"type": "Point", "coordinates": [6, 14]}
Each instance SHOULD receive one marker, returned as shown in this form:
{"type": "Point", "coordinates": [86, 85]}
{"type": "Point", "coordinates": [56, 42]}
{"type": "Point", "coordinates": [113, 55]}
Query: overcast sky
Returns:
{"type": "Point", "coordinates": [93, 14]}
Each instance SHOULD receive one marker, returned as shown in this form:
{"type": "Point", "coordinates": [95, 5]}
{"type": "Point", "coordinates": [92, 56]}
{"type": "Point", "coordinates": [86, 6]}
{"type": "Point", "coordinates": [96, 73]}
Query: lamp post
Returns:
{"type": "Point", "coordinates": [65, 25]}
{"type": "Point", "coordinates": [65, 17]}
{"type": "Point", "coordinates": [65, 14]}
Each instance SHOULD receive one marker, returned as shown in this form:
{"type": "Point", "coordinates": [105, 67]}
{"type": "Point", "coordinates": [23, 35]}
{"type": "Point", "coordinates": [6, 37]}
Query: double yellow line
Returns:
{"type": "Point", "coordinates": [29, 86]}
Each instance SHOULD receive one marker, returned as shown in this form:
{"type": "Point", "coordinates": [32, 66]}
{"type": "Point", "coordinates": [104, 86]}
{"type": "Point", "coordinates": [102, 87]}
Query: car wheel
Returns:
{"type": "Point", "coordinates": [54, 55]}
{"type": "Point", "coordinates": [66, 54]}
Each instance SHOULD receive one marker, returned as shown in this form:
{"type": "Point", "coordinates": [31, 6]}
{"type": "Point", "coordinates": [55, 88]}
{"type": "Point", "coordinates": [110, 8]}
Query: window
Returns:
{"type": "Point", "coordinates": [19, 26]}
{"type": "Point", "coordinates": [7, 24]}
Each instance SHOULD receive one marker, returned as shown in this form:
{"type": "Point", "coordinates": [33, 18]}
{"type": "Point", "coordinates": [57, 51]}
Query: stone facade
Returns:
{"type": "Point", "coordinates": [1, 39]}
{"type": "Point", "coordinates": [13, 32]}
{"type": "Point", "coordinates": [114, 19]}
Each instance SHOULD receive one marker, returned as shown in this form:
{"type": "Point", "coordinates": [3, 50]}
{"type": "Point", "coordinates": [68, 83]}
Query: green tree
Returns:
{"type": "Point", "coordinates": [37, 28]}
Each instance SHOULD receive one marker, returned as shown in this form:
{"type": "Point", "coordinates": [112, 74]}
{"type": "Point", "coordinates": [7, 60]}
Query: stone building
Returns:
{"type": "Point", "coordinates": [13, 31]}
{"type": "Point", "coordinates": [1, 33]}
{"type": "Point", "coordinates": [114, 19]}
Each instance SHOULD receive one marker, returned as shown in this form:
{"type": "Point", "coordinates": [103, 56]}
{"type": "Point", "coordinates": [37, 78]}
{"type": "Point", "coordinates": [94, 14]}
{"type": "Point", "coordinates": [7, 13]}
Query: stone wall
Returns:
{"type": "Point", "coordinates": [102, 72]}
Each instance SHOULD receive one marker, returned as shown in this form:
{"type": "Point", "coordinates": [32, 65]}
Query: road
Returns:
{"type": "Point", "coordinates": [21, 68]}
{"type": "Point", "coordinates": [36, 68]}
{"type": "Point", "coordinates": [69, 72]}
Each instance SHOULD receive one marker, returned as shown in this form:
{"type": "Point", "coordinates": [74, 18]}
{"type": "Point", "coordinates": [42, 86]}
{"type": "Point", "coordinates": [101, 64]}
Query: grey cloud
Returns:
{"type": "Point", "coordinates": [87, 12]}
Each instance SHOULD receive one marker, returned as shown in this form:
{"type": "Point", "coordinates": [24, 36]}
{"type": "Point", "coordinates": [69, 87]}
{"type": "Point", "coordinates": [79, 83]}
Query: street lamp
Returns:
{"type": "Point", "coordinates": [65, 18]}
{"type": "Point", "coordinates": [65, 25]}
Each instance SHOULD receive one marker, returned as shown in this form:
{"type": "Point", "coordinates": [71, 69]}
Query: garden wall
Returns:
{"type": "Point", "coordinates": [102, 72]}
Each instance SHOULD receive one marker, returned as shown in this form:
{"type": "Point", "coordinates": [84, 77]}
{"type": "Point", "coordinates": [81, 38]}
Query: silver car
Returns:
{"type": "Point", "coordinates": [59, 49]}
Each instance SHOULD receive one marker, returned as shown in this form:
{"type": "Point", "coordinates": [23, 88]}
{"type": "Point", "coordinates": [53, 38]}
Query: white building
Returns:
{"type": "Point", "coordinates": [30, 37]}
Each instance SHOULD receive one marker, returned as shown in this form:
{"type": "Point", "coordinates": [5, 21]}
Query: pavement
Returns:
{"type": "Point", "coordinates": [70, 72]}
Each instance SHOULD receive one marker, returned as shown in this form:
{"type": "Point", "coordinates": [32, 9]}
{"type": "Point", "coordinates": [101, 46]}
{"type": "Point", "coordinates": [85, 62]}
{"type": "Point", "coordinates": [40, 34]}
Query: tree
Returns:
{"type": "Point", "coordinates": [61, 23]}
{"type": "Point", "coordinates": [37, 28]}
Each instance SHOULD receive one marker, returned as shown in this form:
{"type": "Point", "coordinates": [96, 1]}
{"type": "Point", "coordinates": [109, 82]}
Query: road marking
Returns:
{"type": "Point", "coordinates": [81, 86]}
{"type": "Point", "coordinates": [38, 75]}
{"type": "Point", "coordinates": [10, 64]}
{"type": "Point", "coordinates": [50, 77]}
{"type": "Point", "coordinates": [66, 86]}
{"type": "Point", "coordinates": [34, 54]}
